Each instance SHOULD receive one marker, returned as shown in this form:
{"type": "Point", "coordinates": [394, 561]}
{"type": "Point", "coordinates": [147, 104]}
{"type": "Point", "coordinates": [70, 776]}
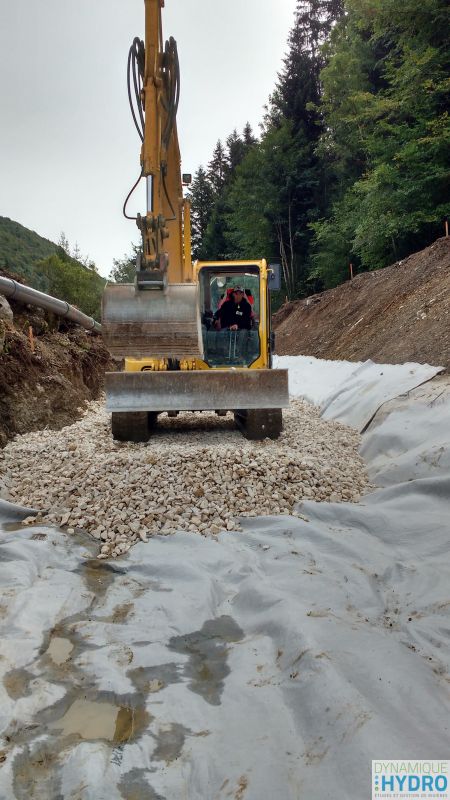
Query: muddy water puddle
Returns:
{"type": "Point", "coordinates": [208, 651]}
{"type": "Point", "coordinates": [98, 575]}
{"type": "Point", "coordinates": [16, 683]}
{"type": "Point", "coordinates": [59, 650]}
{"type": "Point", "coordinates": [93, 720]}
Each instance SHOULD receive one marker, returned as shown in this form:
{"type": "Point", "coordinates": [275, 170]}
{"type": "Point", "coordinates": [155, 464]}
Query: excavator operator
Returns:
{"type": "Point", "coordinates": [234, 314]}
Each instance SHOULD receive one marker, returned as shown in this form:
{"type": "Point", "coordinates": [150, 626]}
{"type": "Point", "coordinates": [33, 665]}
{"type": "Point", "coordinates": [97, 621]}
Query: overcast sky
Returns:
{"type": "Point", "coordinates": [69, 151]}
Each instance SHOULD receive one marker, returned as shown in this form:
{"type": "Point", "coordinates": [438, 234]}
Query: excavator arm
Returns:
{"type": "Point", "coordinates": [165, 256]}
{"type": "Point", "coordinates": [157, 316]}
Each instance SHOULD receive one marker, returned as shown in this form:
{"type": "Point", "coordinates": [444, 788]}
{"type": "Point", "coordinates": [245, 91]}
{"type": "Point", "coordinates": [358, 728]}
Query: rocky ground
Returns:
{"type": "Point", "coordinates": [393, 315]}
{"type": "Point", "coordinates": [44, 382]}
{"type": "Point", "coordinates": [197, 473]}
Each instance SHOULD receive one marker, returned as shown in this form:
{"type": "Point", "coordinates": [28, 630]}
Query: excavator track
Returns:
{"type": "Point", "coordinates": [259, 423]}
{"type": "Point", "coordinates": [133, 427]}
{"type": "Point", "coordinates": [255, 424]}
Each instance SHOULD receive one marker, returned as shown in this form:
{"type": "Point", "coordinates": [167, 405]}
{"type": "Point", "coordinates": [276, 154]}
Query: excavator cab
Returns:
{"type": "Point", "coordinates": [223, 347]}
{"type": "Point", "coordinates": [232, 373]}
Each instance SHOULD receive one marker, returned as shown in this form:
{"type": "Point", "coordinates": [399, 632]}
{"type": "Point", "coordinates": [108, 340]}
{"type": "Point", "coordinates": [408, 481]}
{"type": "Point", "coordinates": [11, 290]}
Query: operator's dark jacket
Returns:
{"type": "Point", "coordinates": [232, 313]}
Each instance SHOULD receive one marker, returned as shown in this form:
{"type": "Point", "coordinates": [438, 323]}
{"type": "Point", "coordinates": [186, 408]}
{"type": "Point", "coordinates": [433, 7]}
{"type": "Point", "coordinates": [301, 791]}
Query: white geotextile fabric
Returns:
{"type": "Point", "coordinates": [351, 392]}
{"type": "Point", "coordinates": [274, 664]}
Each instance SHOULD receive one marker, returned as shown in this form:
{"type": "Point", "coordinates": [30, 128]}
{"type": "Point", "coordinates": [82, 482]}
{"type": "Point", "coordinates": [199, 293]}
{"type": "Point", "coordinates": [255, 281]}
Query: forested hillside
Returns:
{"type": "Point", "coordinates": [50, 267]}
{"type": "Point", "coordinates": [352, 163]}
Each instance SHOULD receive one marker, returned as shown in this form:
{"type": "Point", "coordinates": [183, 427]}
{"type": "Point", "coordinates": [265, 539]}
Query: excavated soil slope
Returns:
{"type": "Point", "coordinates": [394, 315]}
{"type": "Point", "coordinates": [47, 388]}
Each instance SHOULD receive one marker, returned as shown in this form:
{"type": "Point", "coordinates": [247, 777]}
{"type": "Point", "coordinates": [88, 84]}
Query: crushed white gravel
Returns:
{"type": "Point", "coordinates": [197, 473]}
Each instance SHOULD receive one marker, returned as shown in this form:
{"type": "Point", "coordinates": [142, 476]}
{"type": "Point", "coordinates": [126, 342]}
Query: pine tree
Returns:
{"type": "Point", "coordinates": [249, 138]}
{"type": "Point", "coordinates": [201, 196]}
{"type": "Point", "coordinates": [293, 125]}
{"type": "Point", "coordinates": [298, 90]}
{"type": "Point", "coordinates": [236, 150]}
{"type": "Point", "coordinates": [249, 220]}
{"type": "Point", "coordinates": [63, 242]}
{"type": "Point", "coordinates": [218, 168]}
{"type": "Point", "coordinates": [215, 243]}
{"type": "Point", "coordinates": [76, 252]}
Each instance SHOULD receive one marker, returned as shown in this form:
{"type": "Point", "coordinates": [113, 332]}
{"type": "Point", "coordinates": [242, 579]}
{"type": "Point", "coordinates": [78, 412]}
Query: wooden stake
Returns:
{"type": "Point", "coordinates": [31, 338]}
{"type": "Point", "coordinates": [351, 271]}
{"type": "Point", "coordinates": [446, 226]}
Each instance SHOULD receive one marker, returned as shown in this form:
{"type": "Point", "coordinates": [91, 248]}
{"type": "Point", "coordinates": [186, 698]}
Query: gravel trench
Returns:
{"type": "Point", "coordinates": [197, 473]}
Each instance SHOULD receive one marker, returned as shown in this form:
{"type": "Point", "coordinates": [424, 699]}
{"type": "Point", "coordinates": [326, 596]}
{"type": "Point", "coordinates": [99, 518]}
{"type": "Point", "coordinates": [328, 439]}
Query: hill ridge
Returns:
{"type": "Point", "coordinates": [46, 266]}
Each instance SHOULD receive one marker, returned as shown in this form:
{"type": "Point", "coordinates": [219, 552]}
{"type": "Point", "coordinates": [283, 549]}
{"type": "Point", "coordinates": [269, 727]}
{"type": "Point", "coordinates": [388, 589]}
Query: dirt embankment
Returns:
{"type": "Point", "coordinates": [47, 387]}
{"type": "Point", "coordinates": [394, 315]}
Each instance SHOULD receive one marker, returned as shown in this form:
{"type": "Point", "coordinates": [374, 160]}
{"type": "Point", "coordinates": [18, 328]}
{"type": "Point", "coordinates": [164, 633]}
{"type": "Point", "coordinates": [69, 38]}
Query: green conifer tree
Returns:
{"type": "Point", "coordinates": [201, 196]}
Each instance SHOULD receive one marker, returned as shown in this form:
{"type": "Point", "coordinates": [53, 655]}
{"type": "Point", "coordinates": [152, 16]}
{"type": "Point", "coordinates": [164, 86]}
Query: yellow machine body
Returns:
{"type": "Point", "coordinates": [262, 361]}
{"type": "Point", "coordinates": [164, 325]}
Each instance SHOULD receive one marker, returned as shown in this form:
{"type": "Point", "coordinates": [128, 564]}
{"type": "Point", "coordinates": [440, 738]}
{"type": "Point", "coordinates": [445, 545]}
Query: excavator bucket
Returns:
{"type": "Point", "coordinates": [197, 390]}
{"type": "Point", "coordinates": [152, 324]}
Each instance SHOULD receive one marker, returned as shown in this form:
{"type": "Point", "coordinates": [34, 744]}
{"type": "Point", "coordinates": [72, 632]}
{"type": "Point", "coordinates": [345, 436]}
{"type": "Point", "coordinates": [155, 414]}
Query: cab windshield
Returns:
{"type": "Point", "coordinates": [230, 314]}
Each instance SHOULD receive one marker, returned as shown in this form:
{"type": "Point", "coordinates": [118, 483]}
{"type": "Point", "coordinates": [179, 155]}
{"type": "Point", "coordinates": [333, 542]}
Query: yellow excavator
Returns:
{"type": "Point", "coordinates": [172, 326]}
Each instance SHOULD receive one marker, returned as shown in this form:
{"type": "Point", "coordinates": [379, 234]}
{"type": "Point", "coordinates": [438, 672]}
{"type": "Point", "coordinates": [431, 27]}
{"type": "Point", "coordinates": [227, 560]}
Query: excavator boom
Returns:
{"type": "Point", "coordinates": [157, 316]}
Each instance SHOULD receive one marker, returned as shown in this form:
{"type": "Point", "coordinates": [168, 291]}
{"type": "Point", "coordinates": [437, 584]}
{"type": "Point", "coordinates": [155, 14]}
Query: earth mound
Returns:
{"type": "Point", "coordinates": [392, 315]}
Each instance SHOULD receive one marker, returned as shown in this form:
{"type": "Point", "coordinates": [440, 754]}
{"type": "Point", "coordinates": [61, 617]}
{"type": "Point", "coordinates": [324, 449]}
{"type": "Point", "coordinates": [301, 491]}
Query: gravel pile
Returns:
{"type": "Point", "coordinates": [197, 473]}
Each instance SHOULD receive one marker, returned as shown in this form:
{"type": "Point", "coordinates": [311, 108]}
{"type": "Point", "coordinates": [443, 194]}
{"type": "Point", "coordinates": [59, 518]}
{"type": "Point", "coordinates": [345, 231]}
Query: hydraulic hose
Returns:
{"type": "Point", "coordinates": [170, 100]}
{"type": "Point", "coordinates": [24, 294]}
{"type": "Point", "coordinates": [171, 76]}
{"type": "Point", "coordinates": [135, 78]}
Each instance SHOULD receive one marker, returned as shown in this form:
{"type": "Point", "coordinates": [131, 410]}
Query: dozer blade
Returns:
{"type": "Point", "coordinates": [152, 324]}
{"type": "Point", "coordinates": [200, 390]}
